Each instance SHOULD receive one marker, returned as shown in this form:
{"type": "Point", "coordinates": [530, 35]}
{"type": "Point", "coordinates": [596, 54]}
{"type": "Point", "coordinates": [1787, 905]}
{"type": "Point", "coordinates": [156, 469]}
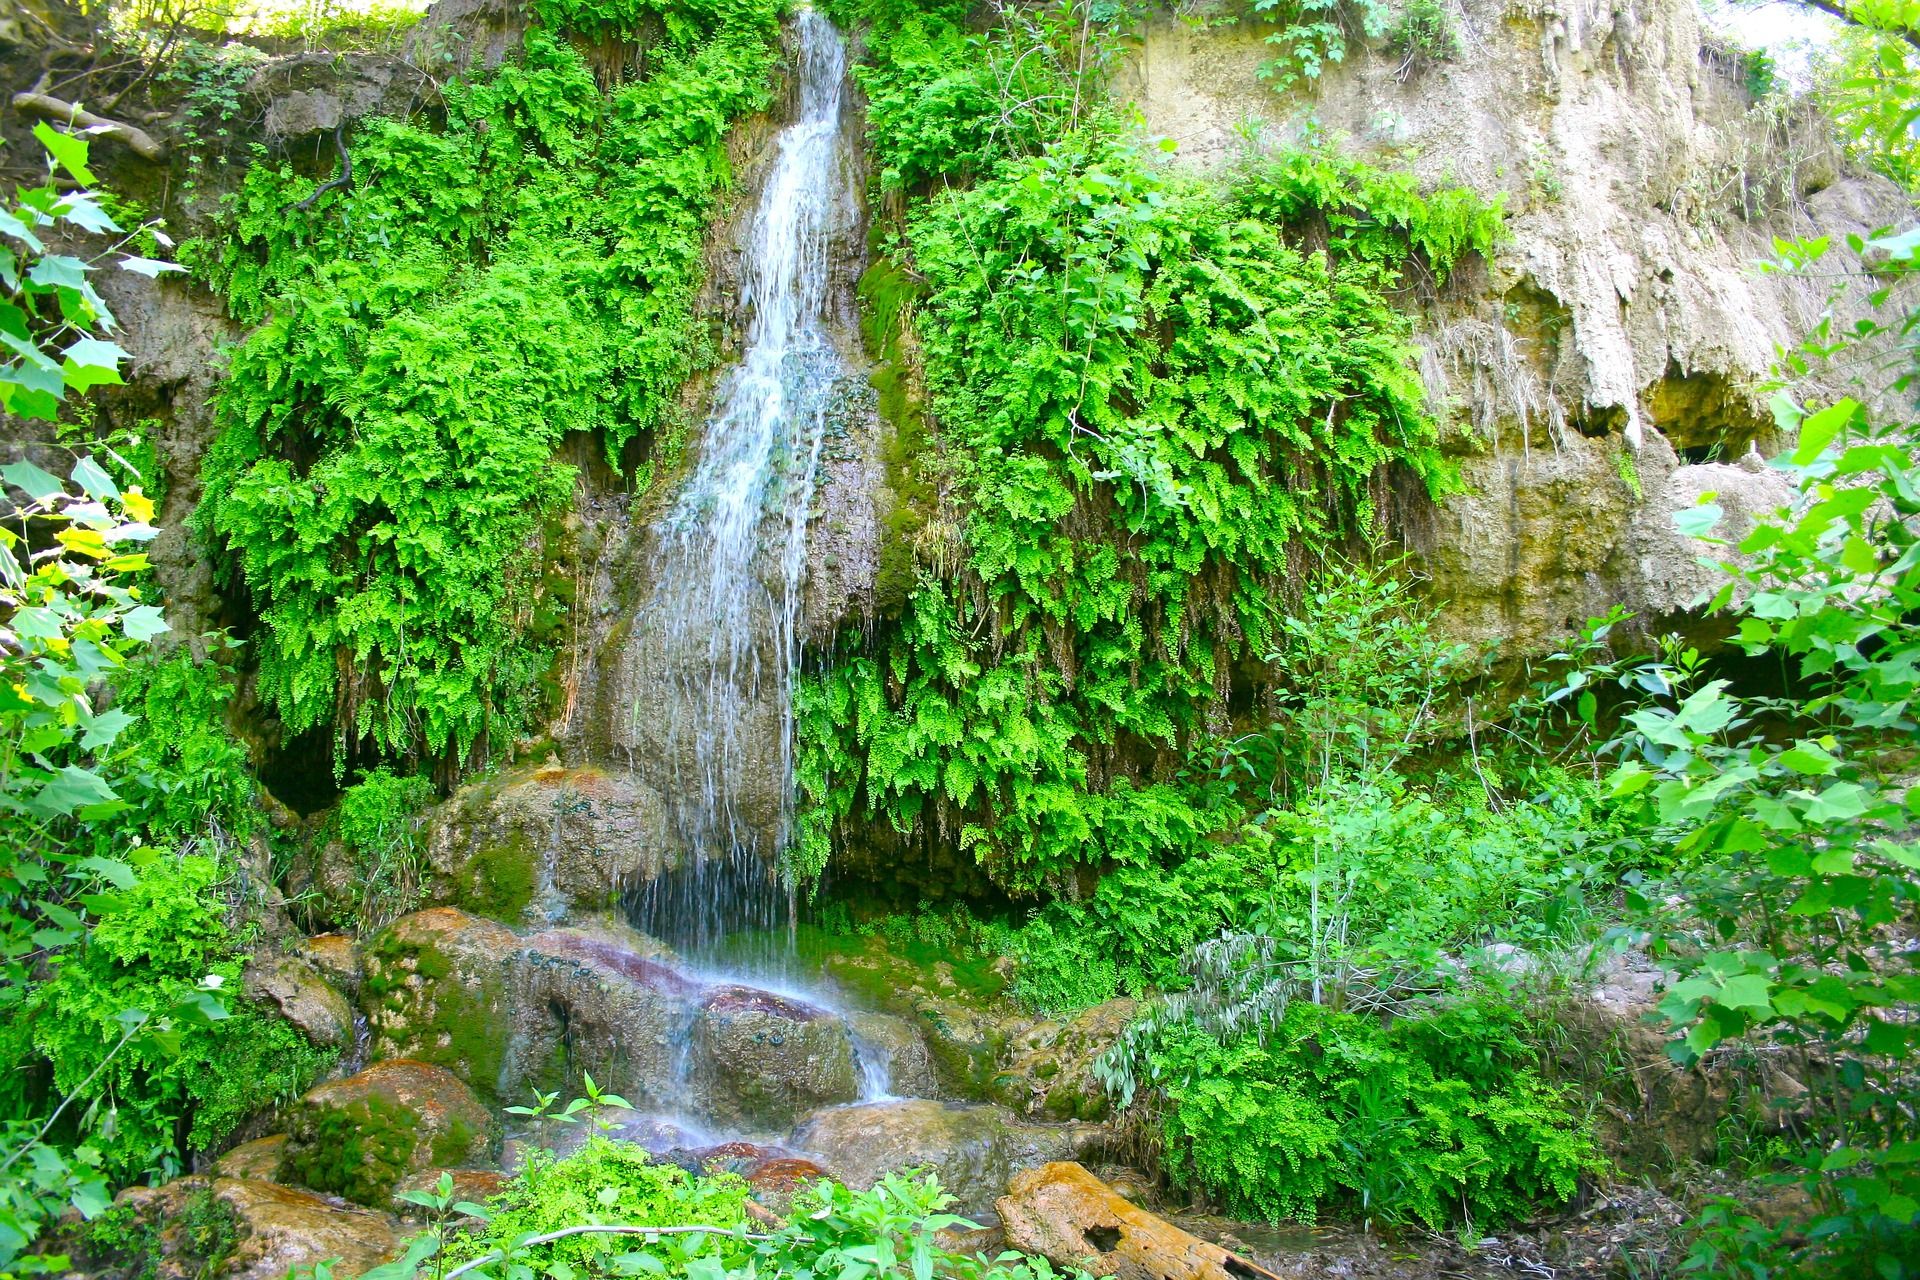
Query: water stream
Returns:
{"type": "Point", "coordinates": [731, 563]}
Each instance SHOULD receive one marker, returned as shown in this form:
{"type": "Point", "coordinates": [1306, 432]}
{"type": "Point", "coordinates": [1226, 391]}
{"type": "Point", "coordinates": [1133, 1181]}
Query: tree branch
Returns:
{"type": "Point", "coordinates": [139, 141]}
{"type": "Point", "coordinates": [1842, 10]}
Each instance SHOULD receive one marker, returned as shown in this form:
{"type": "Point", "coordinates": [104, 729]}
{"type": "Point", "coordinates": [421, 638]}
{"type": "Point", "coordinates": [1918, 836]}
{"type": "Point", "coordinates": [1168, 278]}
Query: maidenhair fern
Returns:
{"type": "Point", "coordinates": [427, 337]}
{"type": "Point", "coordinates": [1151, 396]}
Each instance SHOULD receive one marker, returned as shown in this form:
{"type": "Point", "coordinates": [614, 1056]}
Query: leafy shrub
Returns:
{"type": "Point", "coordinates": [1437, 1119]}
{"type": "Point", "coordinates": [162, 1094]}
{"type": "Point", "coordinates": [606, 1182]}
{"type": "Point", "coordinates": [376, 820]}
{"type": "Point", "coordinates": [1151, 401]}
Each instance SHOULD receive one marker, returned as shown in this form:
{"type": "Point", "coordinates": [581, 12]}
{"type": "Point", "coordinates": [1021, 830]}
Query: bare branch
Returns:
{"type": "Point", "coordinates": [139, 141]}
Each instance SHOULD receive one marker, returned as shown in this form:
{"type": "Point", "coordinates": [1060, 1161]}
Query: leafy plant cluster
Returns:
{"type": "Point", "coordinates": [377, 820]}
{"type": "Point", "coordinates": [1150, 400]}
{"type": "Point", "coordinates": [427, 332]}
{"type": "Point", "coordinates": [1792, 820]}
{"type": "Point", "coordinates": [609, 1210]}
{"type": "Point", "coordinates": [1440, 1119]}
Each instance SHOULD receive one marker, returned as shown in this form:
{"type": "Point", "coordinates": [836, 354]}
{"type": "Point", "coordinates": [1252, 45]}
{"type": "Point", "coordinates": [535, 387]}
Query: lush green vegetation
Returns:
{"type": "Point", "coordinates": [1150, 406]}
{"type": "Point", "coordinates": [425, 336]}
{"type": "Point", "coordinates": [1143, 657]}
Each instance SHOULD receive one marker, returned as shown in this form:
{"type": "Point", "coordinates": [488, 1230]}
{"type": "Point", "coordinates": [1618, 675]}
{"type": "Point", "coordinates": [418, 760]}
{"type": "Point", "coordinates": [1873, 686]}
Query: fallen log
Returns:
{"type": "Point", "coordinates": [1067, 1215]}
{"type": "Point", "coordinates": [137, 140]}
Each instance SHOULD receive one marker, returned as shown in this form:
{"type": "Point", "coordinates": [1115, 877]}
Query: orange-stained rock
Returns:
{"type": "Point", "coordinates": [256, 1160]}
{"type": "Point", "coordinates": [337, 957]}
{"type": "Point", "coordinates": [275, 1229]}
{"type": "Point", "coordinates": [1072, 1218]}
{"type": "Point", "coordinates": [359, 1136]}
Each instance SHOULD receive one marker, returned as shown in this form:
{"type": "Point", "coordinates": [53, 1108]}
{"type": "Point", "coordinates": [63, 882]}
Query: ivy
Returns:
{"type": "Point", "coordinates": [426, 338]}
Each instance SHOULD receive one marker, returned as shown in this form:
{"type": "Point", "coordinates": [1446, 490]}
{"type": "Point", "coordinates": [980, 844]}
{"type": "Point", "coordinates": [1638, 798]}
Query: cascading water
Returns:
{"type": "Point", "coordinates": [723, 620]}
{"type": "Point", "coordinates": [732, 551]}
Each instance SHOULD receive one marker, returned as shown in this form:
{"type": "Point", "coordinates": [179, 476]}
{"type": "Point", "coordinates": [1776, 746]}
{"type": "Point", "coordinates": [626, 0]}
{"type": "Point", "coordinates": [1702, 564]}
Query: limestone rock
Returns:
{"type": "Point", "coordinates": [274, 1229]}
{"type": "Point", "coordinates": [965, 1031]}
{"type": "Point", "coordinates": [971, 1148]}
{"type": "Point", "coordinates": [512, 1014]}
{"type": "Point", "coordinates": [337, 957]}
{"type": "Point", "coordinates": [303, 998]}
{"type": "Point", "coordinates": [256, 1161]}
{"type": "Point", "coordinates": [900, 1051]}
{"type": "Point", "coordinates": [769, 1060]}
{"type": "Point", "coordinates": [1065, 1214]}
{"type": "Point", "coordinates": [533, 845]}
{"type": "Point", "coordinates": [359, 1136]}
{"type": "Point", "coordinates": [309, 93]}
{"type": "Point", "coordinates": [1617, 333]}
{"type": "Point", "coordinates": [1049, 1069]}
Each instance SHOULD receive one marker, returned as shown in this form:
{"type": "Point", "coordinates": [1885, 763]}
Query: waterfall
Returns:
{"type": "Point", "coordinates": [731, 555]}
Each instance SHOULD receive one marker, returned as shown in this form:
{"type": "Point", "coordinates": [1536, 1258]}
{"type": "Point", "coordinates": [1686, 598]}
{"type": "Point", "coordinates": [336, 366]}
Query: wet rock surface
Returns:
{"type": "Point", "coordinates": [359, 1136]}
{"type": "Point", "coordinates": [269, 1230]}
{"type": "Point", "coordinates": [769, 1060]}
{"type": "Point", "coordinates": [256, 1161]}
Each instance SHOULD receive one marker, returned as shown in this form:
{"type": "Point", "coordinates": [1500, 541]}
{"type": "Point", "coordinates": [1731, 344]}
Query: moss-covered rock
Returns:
{"type": "Point", "coordinates": [359, 1136]}
{"type": "Point", "coordinates": [1048, 1070]}
{"type": "Point", "coordinates": [510, 1014]}
{"type": "Point", "coordinates": [226, 1228]}
{"type": "Point", "coordinates": [535, 845]}
{"type": "Point", "coordinates": [771, 1060]}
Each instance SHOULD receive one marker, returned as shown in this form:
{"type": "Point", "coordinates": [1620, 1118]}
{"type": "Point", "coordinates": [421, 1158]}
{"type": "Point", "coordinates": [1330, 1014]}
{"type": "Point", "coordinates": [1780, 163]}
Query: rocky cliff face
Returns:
{"type": "Point", "coordinates": [1606, 361]}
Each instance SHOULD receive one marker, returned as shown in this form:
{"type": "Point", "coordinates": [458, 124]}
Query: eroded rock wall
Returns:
{"type": "Point", "coordinates": [1606, 362]}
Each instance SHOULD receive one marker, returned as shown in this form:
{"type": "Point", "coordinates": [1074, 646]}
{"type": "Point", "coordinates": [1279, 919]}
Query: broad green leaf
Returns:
{"type": "Point", "coordinates": [65, 148]}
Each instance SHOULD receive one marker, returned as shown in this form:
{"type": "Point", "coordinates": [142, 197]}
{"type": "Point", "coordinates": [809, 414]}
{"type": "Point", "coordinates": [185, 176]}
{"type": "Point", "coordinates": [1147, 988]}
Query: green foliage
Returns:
{"type": "Point", "coordinates": [426, 337]}
{"type": "Point", "coordinates": [1437, 1119]}
{"type": "Point", "coordinates": [1309, 34]}
{"type": "Point", "coordinates": [1151, 401]}
{"type": "Point", "coordinates": [948, 103]}
{"type": "Point", "coordinates": [605, 1182]}
{"type": "Point", "coordinates": [165, 1093]}
{"type": "Point", "coordinates": [186, 773]}
{"type": "Point", "coordinates": [376, 820]}
{"type": "Point", "coordinates": [198, 1241]}
{"type": "Point", "coordinates": [209, 79]}
{"type": "Point", "coordinates": [1865, 80]}
{"type": "Point", "coordinates": [1794, 836]}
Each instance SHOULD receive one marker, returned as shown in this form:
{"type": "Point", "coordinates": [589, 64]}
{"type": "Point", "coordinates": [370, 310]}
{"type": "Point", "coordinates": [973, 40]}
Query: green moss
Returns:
{"type": "Point", "coordinates": [450, 1021]}
{"type": "Point", "coordinates": [500, 880]}
{"type": "Point", "coordinates": [358, 1151]}
{"type": "Point", "coordinates": [888, 295]}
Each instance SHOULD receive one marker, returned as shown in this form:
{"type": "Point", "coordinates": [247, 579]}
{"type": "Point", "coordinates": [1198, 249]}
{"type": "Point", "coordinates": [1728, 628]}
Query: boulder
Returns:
{"type": "Point", "coordinates": [769, 1059]}
{"type": "Point", "coordinates": [359, 1136]}
{"type": "Point", "coordinates": [890, 1047]}
{"type": "Point", "coordinates": [244, 1229]}
{"type": "Point", "coordinates": [1065, 1214]}
{"type": "Point", "coordinates": [1049, 1067]}
{"type": "Point", "coordinates": [303, 997]}
{"type": "Point", "coordinates": [534, 846]}
{"type": "Point", "coordinates": [510, 1014]}
{"type": "Point", "coordinates": [337, 958]}
{"type": "Point", "coordinates": [256, 1161]}
{"type": "Point", "coordinates": [965, 1029]}
{"type": "Point", "coordinates": [970, 1148]}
